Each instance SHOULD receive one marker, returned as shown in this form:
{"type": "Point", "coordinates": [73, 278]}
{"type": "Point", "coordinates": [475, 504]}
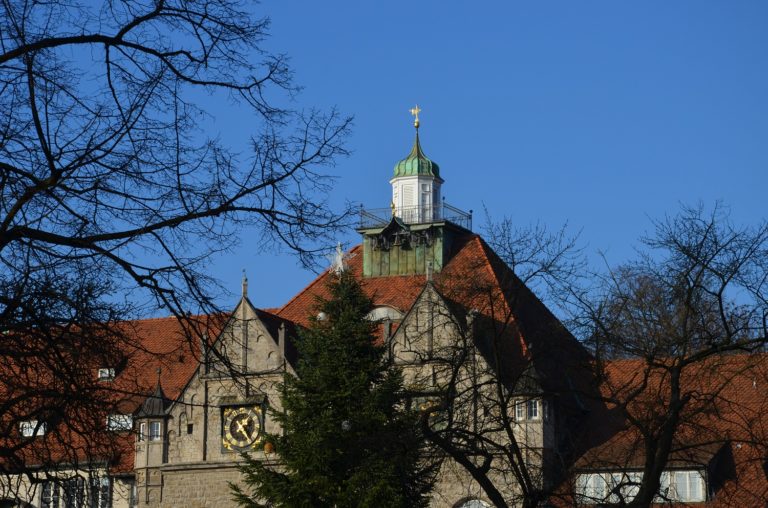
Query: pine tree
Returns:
{"type": "Point", "coordinates": [347, 440]}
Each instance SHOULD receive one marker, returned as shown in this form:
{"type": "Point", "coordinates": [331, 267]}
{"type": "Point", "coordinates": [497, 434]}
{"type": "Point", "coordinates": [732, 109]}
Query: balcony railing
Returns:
{"type": "Point", "coordinates": [380, 217]}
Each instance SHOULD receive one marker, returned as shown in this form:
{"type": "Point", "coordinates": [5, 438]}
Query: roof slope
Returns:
{"type": "Point", "coordinates": [723, 429]}
{"type": "Point", "coordinates": [473, 278]}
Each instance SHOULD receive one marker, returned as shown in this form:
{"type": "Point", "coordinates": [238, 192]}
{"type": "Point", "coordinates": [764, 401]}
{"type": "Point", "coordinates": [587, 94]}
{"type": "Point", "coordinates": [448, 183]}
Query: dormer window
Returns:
{"type": "Point", "coordinates": [686, 486]}
{"type": "Point", "coordinates": [32, 428]}
{"type": "Point", "coordinates": [106, 374]}
{"type": "Point", "coordinates": [119, 422]}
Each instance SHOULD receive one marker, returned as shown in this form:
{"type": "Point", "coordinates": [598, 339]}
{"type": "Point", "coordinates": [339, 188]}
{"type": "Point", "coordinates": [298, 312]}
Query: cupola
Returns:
{"type": "Point", "coordinates": [416, 197]}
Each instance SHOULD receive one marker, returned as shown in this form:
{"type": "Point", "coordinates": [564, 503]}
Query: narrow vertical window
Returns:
{"type": "Point", "coordinates": [154, 431]}
{"type": "Point", "coordinates": [533, 409]}
{"type": "Point", "coordinates": [142, 431]}
{"type": "Point", "coordinates": [105, 492]}
{"type": "Point", "coordinates": [519, 410]}
{"type": "Point", "coordinates": [50, 496]}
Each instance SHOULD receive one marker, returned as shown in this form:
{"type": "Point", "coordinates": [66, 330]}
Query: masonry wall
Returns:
{"type": "Point", "coordinates": [196, 468]}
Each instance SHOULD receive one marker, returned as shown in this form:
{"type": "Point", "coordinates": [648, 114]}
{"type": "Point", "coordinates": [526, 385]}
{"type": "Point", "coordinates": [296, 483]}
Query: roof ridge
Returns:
{"type": "Point", "coordinates": [171, 317]}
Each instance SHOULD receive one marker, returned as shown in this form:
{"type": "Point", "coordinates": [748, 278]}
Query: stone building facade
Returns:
{"type": "Point", "coordinates": [478, 350]}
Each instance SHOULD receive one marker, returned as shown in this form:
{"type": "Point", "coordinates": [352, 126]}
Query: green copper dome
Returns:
{"type": "Point", "coordinates": [417, 164]}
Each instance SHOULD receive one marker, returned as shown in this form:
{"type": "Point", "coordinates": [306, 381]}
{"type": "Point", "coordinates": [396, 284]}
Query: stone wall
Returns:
{"type": "Point", "coordinates": [199, 485]}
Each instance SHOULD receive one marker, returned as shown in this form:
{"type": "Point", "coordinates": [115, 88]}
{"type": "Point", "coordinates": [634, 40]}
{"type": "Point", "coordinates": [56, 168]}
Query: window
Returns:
{"type": "Point", "coordinates": [68, 493]}
{"type": "Point", "coordinates": [686, 486]}
{"type": "Point", "coordinates": [106, 374]}
{"type": "Point", "coordinates": [595, 488]}
{"type": "Point", "coordinates": [50, 496]}
{"type": "Point", "coordinates": [100, 492]}
{"type": "Point", "coordinates": [519, 410]}
{"type": "Point", "coordinates": [527, 410]}
{"type": "Point", "coordinates": [119, 422]}
{"type": "Point", "coordinates": [154, 431]}
{"type": "Point", "coordinates": [190, 428]}
{"type": "Point", "coordinates": [32, 428]}
{"type": "Point", "coordinates": [74, 493]}
{"type": "Point", "coordinates": [133, 497]}
{"type": "Point", "coordinates": [533, 409]}
{"type": "Point", "coordinates": [618, 487]}
{"type": "Point", "coordinates": [142, 431]}
{"type": "Point", "coordinates": [591, 488]}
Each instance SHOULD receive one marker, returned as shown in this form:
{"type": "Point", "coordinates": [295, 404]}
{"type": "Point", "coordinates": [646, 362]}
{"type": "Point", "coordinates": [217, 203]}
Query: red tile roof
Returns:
{"type": "Point", "coordinates": [398, 291]}
{"type": "Point", "coordinates": [724, 427]}
{"type": "Point", "coordinates": [150, 344]}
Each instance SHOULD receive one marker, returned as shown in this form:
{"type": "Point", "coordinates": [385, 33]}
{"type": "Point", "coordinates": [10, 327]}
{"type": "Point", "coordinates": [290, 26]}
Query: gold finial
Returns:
{"type": "Point", "coordinates": [415, 112]}
{"type": "Point", "coordinates": [392, 206]}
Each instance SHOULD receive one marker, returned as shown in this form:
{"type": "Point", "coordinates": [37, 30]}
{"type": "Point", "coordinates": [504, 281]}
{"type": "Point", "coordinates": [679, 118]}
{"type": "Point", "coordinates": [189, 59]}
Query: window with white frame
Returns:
{"type": "Point", "coordinates": [591, 488]}
{"type": "Point", "coordinates": [100, 492]}
{"type": "Point", "coordinates": [527, 410]}
{"type": "Point", "coordinates": [69, 493]}
{"type": "Point", "coordinates": [119, 422]}
{"type": "Point", "coordinates": [154, 431]}
{"type": "Point", "coordinates": [142, 431]}
{"type": "Point", "coordinates": [520, 410]}
{"type": "Point", "coordinates": [622, 487]}
{"type": "Point", "coordinates": [32, 428]}
{"type": "Point", "coordinates": [532, 409]}
{"type": "Point", "coordinates": [682, 485]}
{"type": "Point", "coordinates": [615, 488]}
{"type": "Point", "coordinates": [106, 374]}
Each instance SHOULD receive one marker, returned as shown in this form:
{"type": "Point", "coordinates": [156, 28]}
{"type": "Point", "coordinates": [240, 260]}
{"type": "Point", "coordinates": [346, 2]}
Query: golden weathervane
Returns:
{"type": "Point", "coordinates": [415, 112]}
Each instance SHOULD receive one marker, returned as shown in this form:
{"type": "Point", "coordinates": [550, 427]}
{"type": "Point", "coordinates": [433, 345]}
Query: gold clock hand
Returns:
{"type": "Point", "coordinates": [241, 427]}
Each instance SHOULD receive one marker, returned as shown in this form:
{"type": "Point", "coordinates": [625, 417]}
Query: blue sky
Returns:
{"type": "Point", "coordinates": [602, 114]}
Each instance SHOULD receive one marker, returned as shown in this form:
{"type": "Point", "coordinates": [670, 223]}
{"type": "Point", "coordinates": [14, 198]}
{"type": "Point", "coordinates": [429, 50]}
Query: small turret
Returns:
{"type": "Point", "coordinates": [416, 185]}
{"type": "Point", "coordinates": [151, 443]}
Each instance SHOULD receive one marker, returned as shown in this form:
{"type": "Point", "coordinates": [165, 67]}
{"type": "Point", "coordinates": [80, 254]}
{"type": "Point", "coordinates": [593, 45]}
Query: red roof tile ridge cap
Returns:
{"type": "Point", "coordinates": [315, 281]}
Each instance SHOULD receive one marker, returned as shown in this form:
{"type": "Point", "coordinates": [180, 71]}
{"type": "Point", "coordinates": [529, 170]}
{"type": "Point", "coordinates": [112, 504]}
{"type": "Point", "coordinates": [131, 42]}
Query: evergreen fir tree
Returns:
{"type": "Point", "coordinates": [347, 440]}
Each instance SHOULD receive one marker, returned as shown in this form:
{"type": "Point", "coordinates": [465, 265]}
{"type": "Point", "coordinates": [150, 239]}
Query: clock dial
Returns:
{"type": "Point", "coordinates": [242, 427]}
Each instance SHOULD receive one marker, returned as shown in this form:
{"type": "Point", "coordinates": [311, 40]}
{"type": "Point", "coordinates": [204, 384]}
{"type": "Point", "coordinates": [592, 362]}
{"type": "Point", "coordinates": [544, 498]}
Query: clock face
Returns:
{"type": "Point", "coordinates": [242, 427]}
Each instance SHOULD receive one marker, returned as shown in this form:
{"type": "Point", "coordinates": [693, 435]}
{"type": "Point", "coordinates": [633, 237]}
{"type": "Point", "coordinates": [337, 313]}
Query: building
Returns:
{"type": "Point", "coordinates": [482, 356]}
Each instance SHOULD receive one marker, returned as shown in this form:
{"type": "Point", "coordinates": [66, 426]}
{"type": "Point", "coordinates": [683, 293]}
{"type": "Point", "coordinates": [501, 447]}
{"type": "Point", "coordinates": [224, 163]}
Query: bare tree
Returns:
{"type": "Point", "coordinates": [679, 339]}
{"type": "Point", "coordinates": [113, 191]}
{"type": "Point", "coordinates": [671, 356]}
